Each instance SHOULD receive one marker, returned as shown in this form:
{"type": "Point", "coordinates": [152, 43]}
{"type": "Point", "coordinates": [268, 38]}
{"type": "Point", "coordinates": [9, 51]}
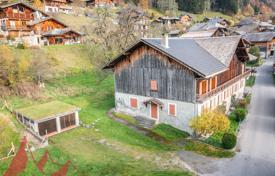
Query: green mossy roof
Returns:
{"type": "Point", "coordinates": [38, 112]}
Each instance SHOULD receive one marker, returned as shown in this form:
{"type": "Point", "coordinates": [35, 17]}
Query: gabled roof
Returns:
{"type": "Point", "coordinates": [204, 56]}
{"type": "Point", "coordinates": [45, 19]}
{"type": "Point", "coordinates": [260, 36]}
{"type": "Point", "coordinates": [205, 26]}
{"type": "Point", "coordinates": [24, 4]}
{"type": "Point", "coordinates": [56, 32]}
{"type": "Point", "coordinates": [196, 34]}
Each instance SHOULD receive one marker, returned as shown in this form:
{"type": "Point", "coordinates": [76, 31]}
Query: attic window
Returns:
{"type": "Point", "coordinates": [21, 9]}
{"type": "Point", "coordinates": [154, 85]}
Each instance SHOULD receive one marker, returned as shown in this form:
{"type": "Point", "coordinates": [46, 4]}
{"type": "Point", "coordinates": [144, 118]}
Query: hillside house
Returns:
{"type": "Point", "coordinates": [34, 27]}
{"type": "Point", "coordinates": [264, 40]}
{"type": "Point", "coordinates": [52, 31]}
{"type": "Point", "coordinates": [186, 19]}
{"type": "Point", "coordinates": [171, 80]}
{"type": "Point", "coordinates": [14, 18]}
{"type": "Point", "coordinates": [56, 6]}
{"type": "Point", "coordinates": [49, 118]}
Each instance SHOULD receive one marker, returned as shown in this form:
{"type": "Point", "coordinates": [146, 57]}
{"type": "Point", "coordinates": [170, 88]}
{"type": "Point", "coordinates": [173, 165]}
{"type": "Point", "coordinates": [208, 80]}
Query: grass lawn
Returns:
{"type": "Point", "coordinates": [169, 133]}
{"type": "Point", "coordinates": [254, 63]}
{"type": "Point", "coordinates": [207, 150]}
{"type": "Point", "coordinates": [250, 81]}
{"type": "Point", "coordinates": [109, 148]}
{"type": "Point", "coordinates": [126, 117]}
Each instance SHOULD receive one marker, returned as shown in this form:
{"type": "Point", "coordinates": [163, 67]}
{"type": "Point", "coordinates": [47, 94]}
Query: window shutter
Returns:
{"type": "Point", "coordinates": [154, 85]}
{"type": "Point", "coordinates": [172, 109]}
{"type": "Point", "coordinates": [133, 102]}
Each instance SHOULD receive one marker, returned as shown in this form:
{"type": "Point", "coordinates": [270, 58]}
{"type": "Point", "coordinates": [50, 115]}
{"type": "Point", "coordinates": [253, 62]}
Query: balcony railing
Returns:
{"type": "Point", "coordinates": [222, 87]}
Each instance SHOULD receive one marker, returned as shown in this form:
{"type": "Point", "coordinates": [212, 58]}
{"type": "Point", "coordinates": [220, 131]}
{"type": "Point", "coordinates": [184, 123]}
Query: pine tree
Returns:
{"type": "Point", "coordinates": [193, 6]}
{"type": "Point", "coordinates": [170, 6]}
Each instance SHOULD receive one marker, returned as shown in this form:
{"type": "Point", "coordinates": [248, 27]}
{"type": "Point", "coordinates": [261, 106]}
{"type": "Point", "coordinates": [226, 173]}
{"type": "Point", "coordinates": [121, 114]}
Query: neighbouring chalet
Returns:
{"type": "Point", "coordinates": [34, 27]}
{"type": "Point", "coordinates": [172, 80]}
{"type": "Point", "coordinates": [264, 40]}
{"type": "Point", "coordinates": [56, 6]}
{"type": "Point", "coordinates": [49, 119]}
{"type": "Point", "coordinates": [52, 32]}
{"type": "Point", "coordinates": [14, 18]}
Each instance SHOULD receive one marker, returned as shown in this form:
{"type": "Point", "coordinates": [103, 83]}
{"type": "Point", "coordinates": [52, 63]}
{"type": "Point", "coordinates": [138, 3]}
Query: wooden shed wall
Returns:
{"type": "Point", "coordinates": [134, 74]}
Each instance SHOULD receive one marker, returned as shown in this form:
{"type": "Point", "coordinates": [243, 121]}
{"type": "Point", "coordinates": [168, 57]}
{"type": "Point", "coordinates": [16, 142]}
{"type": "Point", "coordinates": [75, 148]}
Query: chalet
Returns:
{"type": "Point", "coordinates": [55, 6]}
{"type": "Point", "coordinates": [264, 40]}
{"type": "Point", "coordinates": [14, 18]}
{"type": "Point", "coordinates": [186, 19]}
{"type": "Point", "coordinates": [34, 27]}
{"type": "Point", "coordinates": [168, 21]}
{"type": "Point", "coordinates": [51, 31]}
{"type": "Point", "coordinates": [49, 118]}
{"type": "Point", "coordinates": [171, 80]}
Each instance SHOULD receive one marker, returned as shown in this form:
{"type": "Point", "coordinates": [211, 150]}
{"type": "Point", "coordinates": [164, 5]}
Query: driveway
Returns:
{"type": "Point", "coordinates": [257, 136]}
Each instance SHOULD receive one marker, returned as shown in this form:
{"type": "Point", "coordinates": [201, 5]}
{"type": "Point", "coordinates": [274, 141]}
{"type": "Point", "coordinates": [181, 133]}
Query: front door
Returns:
{"type": "Point", "coordinates": [154, 111]}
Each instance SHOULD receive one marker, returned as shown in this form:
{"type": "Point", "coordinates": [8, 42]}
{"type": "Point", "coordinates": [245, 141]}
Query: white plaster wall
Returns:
{"type": "Point", "coordinates": [238, 93]}
{"type": "Point", "coordinates": [184, 111]}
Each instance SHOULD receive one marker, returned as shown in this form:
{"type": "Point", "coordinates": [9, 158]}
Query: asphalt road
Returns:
{"type": "Point", "coordinates": [257, 137]}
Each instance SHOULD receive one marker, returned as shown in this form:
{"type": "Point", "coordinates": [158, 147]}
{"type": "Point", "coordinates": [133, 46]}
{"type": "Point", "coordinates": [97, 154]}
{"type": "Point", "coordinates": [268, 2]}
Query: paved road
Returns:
{"type": "Point", "coordinates": [257, 137]}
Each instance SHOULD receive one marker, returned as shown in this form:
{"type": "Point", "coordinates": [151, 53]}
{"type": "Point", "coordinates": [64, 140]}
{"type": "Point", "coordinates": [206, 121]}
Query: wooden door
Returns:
{"type": "Point", "coordinates": [154, 111]}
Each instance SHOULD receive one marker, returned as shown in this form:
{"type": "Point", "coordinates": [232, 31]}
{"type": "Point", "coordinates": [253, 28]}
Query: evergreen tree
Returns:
{"type": "Point", "coordinates": [193, 6]}
{"type": "Point", "coordinates": [170, 6]}
{"type": "Point", "coordinates": [228, 6]}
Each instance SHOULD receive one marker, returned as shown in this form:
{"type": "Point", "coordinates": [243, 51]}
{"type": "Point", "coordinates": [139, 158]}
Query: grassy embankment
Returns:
{"type": "Point", "coordinates": [109, 148]}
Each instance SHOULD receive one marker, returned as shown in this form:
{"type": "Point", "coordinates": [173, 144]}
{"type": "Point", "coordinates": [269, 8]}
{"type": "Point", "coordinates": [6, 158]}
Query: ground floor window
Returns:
{"type": "Point", "coordinates": [47, 127]}
{"type": "Point", "coordinates": [67, 121]}
{"type": "Point", "coordinates": [172, 109]}
{"type": "Point", "coordinates": [133, 102]}
{"type": "Point", "coordinates": [58, 40]}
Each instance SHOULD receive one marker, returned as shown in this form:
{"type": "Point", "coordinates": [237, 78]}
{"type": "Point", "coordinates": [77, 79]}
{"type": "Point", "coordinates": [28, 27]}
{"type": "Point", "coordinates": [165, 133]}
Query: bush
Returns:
{"type": "Point", "coordinates": [233, 116]}
{"type": "Point", "coordinates": [240, 114]}
{"type": "Point", "coordinates": [20, 46]}
{"type": "Point", "coordinates": [229, 141]}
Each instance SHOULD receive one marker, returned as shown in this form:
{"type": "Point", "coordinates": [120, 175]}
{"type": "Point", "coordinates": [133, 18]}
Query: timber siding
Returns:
{"type": "Point", "coordinates": [174, 81]}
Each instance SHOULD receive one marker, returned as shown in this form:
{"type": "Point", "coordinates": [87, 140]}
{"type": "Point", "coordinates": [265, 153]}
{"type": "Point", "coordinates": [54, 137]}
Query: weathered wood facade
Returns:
{"type": "Point", "coordinates": [14, 19]}
{"type": "Point", "coordinates": [47, 25]}
{"type": "Point", "coordinates": [174, 81]}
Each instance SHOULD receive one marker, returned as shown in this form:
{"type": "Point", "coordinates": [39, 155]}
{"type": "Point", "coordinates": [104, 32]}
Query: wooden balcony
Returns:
{"type": "Point", "coordinates": [202, 97]}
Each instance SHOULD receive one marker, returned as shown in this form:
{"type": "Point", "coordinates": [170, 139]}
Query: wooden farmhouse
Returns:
{"type": "Point", "coordinates": [14, 18]}
{"type": "Point", "coordinates": [33, 27]}
{"type": "Point", "coordinates": [171, 80]}
{"type": "Point", "coordinates": [264, 40]}
{"type": "Point", "coordinates": [52, 32]}
{"type": "Point", "coordinates": [49, 119]}
{"type": "Point", "coordinates": [56, 6]}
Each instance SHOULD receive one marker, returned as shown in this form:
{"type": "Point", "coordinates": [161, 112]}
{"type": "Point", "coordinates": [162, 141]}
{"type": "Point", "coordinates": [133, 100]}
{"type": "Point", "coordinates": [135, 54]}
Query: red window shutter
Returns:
{"type": "Point", "coordinates": [154, 85]}
{"type": "Point", "coordinates": [133, 102]}
{"type": "Point", "coordinates": [172, 109]}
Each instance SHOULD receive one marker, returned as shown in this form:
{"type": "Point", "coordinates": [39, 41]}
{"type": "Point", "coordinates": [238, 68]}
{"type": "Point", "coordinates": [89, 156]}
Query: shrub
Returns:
{"type": "Point", "coordinates": [229, 141]}
{"type": "Point", "coordinates": [20, 46]}
{"type": "Point", "coordinates": [240, 114]}
{"type": "Point", "coordinates": [233, 116]}
{"type": "Point", "coordinates": [243, 103]}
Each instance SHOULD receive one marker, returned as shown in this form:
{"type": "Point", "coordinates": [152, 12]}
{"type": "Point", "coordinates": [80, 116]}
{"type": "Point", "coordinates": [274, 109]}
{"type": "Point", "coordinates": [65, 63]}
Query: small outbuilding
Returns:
{"type": "Point", "coordinates": [50, 118]}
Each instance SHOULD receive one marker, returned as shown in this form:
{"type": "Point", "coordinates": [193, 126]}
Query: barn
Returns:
{"type": "Point", "coordinates": [50, 118]}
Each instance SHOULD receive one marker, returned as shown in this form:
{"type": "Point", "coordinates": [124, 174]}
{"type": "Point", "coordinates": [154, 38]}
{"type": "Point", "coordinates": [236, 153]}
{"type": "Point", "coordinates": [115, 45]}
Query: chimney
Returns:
{"type": "Point", "coordinates": [165, 40]}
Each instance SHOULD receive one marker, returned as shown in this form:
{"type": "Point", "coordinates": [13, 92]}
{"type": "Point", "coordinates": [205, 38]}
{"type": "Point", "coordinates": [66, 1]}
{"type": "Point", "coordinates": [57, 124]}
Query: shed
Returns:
{"type": "Point", "coordinates": [50, 118]}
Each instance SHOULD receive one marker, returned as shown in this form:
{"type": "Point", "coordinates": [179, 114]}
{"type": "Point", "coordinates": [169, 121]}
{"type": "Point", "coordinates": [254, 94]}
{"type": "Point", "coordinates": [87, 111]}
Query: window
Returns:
{"type": "Point", "coordinates": [154, 85]}
{"type": "Point", "coordinates": [21, 9]}
{"type": "Point", "coordinates": [172, 109]}
{"type": "Point", "coordinates": [133, 102]}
